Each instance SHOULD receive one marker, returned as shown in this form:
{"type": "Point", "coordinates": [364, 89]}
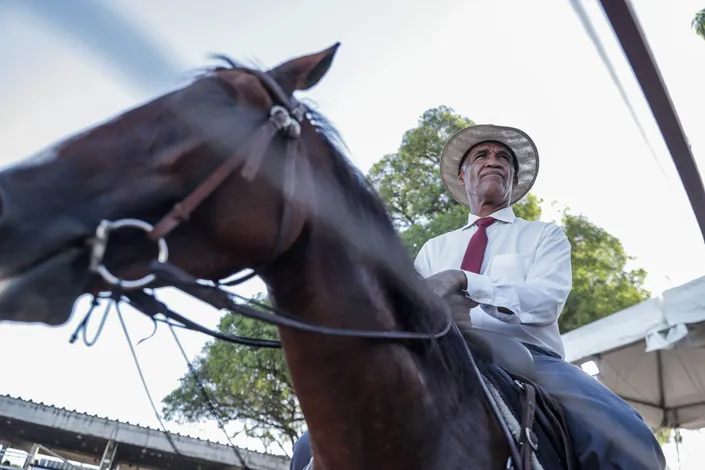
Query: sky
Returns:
{"type": "Point", "coordinates": [523, 64]}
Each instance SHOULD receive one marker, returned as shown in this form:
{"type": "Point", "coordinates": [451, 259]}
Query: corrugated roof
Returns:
{"type": "Point", "coordinates": [95, 416]}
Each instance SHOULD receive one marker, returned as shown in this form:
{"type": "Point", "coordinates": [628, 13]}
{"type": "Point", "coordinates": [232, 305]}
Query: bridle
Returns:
{"type": "Point", "coordinates": [284, 119]}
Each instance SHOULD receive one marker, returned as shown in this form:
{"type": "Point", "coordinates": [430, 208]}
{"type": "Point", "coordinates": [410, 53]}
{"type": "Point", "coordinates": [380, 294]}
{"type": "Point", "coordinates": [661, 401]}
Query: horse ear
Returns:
{"type": "Point", "coordinates": [304, 72]}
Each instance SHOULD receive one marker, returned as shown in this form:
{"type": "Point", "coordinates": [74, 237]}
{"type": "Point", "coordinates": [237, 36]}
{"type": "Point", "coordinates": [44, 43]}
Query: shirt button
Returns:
{"type": "Point", "coordinates": [478, 295]}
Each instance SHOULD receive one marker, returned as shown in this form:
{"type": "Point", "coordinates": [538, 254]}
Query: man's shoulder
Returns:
{"type": "Point", "coordinates": [442, 241]}
{"type": "Point", "coordinates": [542, 232]}
{"type": "Point", "coordinates": [548, 227]}
{"type": "Point", "coordinates": [446, 236]}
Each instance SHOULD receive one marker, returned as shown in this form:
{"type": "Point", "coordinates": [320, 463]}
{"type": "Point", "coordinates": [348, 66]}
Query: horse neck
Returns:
{"type": "Point", "coordinates": [368, 404]}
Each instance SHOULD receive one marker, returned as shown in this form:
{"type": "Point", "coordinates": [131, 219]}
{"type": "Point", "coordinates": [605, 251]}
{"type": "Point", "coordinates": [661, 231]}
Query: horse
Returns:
{"type": "Point", "coordinates": [229, 173]}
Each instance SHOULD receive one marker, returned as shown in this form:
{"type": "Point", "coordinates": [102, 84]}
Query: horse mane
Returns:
{"type": "Point", "coordinates": [416, 305]}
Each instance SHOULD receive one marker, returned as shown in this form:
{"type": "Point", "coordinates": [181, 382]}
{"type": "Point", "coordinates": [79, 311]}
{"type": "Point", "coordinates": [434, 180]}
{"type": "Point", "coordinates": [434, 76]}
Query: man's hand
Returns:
{"type": "Point", "coordinates": [449, 285]}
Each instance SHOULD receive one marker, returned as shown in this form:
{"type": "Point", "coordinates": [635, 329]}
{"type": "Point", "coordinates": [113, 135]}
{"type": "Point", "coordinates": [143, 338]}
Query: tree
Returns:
{"type": "Point", "coordinates": [698, 23]}
{"type": "Point", "coordinates": [253, 386]}
{"type": "Point", "coordinates": [247, 385]}
{"type": "Point", "coordinates": [408, 180]}
{"type": "Point", "coordinates": [663, 435]}
{"type": "Point", "coordinates": [601, 283]}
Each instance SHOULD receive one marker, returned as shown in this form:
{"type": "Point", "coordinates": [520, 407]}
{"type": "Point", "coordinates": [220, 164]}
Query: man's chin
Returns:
{"type": "Point", "coordinates": [47, 292]}
{"type": "Point", "coordinates": [495, 191]}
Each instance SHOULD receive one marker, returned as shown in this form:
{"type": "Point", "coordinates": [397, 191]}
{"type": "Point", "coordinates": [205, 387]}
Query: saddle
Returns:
{"type": "Point", "coordinates": [501, 350]}
{"type": "Point", "coordinates": [533, 417]}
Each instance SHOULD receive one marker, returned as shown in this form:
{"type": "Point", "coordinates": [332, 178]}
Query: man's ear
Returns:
{"type": "Point", "coordinates": [461, 176]}
{"type": "Point", "coordinates": [304, 72]}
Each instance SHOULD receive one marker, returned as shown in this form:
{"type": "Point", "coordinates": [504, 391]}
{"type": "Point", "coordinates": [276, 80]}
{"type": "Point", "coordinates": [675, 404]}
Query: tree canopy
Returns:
{"type": "Point", "coordinates": [698, 23]}
{"type": "Point", "coordinates": [253, 386]}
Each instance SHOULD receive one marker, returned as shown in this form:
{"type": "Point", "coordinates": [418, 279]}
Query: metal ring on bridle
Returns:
{"type": "Point", "coordinates": [282, 119]}
{"type": "Point", "coordinates": [100, 244]}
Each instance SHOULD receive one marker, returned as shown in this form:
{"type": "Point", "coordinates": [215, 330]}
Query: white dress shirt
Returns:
{"type": "Point", "coordinates": [524, 281]}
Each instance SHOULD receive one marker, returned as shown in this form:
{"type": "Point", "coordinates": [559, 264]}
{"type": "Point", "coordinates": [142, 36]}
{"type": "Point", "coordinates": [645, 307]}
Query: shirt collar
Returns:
{"type": "Point", "coordinates": [503, 215]}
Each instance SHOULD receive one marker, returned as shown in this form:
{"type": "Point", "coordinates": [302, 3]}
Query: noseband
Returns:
{"type": "Point", "coordinates": [285, 118]}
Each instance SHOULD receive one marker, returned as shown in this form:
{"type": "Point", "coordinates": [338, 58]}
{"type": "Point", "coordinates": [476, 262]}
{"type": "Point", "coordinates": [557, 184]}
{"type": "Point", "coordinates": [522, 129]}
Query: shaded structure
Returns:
{"type": "Point", "coordinates": [651, 354]}
{"type": "Point", "coordinates": [109, 444]}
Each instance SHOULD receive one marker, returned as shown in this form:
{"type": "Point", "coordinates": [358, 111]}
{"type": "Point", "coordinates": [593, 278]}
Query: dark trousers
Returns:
{"type": "Point", "coordinates": [302, 453]}
{"type": "Point", "coordinates": [607, 433]}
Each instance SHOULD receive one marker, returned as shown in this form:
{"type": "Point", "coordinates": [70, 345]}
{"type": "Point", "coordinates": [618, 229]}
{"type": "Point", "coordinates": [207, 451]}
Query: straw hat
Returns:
{"type": "Point", "coordinates": [518, 142]}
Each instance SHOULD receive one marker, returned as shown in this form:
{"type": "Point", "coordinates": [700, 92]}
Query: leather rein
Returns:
{"type": "Point", "coordinates": [284, 119]}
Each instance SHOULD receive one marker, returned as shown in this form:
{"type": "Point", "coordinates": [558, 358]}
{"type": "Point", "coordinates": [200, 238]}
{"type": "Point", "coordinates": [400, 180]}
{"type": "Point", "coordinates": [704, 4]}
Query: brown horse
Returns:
{"type": "Point", "coordinates": [336, 261]}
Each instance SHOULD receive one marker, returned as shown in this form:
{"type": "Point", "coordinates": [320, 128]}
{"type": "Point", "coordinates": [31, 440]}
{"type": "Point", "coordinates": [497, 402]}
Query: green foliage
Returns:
{"type": "Point", "coordinates": [248, 385]}
{"type": "Point", "coordinates": [664, 435]}
{"type": "Point", "coordinates": [601, 283]}
{"type": "Point", "coordinates": [408, 180]}
{"type": "Point", "coordinates": [698, 23]}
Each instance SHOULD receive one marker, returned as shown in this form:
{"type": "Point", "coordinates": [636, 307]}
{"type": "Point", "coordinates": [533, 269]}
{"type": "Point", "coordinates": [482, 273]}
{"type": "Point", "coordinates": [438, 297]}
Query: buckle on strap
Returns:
{"type": "Point", "coordinates": [528, 405]}
{"type": "Point", "coordinates": [510, 464]}
{"type": "Point", "coordinates": [531, 438]}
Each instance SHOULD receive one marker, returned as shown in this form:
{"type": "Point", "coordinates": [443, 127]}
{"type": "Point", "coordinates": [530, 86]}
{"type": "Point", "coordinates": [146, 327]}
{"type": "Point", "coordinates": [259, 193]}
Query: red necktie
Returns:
{"type": "Point", "coordinates": [472, 261]}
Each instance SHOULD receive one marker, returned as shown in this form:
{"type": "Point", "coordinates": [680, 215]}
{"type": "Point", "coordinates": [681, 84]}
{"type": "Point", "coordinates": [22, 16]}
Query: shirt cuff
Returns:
{"type": "Point", "coordinates": [480, 289]}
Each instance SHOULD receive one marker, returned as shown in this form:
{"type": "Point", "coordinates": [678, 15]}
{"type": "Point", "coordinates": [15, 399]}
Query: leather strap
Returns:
{"type": "Point", "coordinates": [527, 438]}
{"type": "Point", "coordinates": [182, 210]}
{"type": "Point", "coordinates": [294, 107]}
{"type": "Point", "coordinates": [285, 117]}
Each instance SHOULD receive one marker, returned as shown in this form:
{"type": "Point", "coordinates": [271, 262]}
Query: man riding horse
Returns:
{"type": "Point", "coordinates": [512, 276]}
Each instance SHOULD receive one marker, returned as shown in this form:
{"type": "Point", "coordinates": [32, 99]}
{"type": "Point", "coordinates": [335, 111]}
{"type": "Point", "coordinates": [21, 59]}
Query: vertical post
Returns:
{"type": "Point", "coordinates": [5, 445]}
{"type": "Point", "coordinates": [30, 457]}
{"type": "Point", "coordinates": [106, 462]}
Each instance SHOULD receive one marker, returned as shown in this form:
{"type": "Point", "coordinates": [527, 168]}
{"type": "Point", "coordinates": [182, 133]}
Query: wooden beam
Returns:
{"type": "Point", "coordinates": [631, 37]}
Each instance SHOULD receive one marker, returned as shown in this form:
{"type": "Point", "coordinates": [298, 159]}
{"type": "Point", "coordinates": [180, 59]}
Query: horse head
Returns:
{"type": "Point", "coordinates": [138, 166]}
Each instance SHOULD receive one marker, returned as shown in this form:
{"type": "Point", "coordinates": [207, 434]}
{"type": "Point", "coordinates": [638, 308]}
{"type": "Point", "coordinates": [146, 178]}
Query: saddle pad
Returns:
{"type": "Point", "coordinates": [554, 451]}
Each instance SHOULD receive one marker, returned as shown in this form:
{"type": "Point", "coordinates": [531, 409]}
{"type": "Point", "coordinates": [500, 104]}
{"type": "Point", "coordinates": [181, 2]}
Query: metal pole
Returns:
{"type": "Point", "coordinates": [106, 462]}
{"type": "Point", "coordinates": [30, 457]}
{"type": "Point", "coordinates": [5, 445]}
{"type": "Point", "coordinates": [631, 37]}
{"type": "Point", "coordinates": [58, 456]}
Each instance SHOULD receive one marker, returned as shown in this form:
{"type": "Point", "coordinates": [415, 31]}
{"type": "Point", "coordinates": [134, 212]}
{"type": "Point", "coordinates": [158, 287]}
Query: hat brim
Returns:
{"type": "Point", "coordinates": [519, 143]}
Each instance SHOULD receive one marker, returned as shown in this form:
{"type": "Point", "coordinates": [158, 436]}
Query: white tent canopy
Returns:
{"type": "Point", "coordinates": [652, 355]}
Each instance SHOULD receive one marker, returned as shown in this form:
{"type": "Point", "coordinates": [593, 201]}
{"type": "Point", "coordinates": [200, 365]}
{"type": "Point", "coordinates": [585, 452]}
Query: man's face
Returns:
{"type": "Point", "coordinates": [488, 174]}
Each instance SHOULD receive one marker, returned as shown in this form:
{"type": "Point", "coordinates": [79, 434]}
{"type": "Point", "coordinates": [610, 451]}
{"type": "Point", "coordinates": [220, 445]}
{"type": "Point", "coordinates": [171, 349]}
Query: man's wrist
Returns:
{"type": "Point", "coordinates": [462, 280]}
{"type": "Point", "coordinates": [478, 287]}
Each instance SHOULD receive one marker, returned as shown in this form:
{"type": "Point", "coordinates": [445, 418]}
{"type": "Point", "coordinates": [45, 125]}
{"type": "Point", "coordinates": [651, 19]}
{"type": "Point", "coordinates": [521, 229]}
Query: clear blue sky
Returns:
{"type": "Point", "coordinates": [524, 64]}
